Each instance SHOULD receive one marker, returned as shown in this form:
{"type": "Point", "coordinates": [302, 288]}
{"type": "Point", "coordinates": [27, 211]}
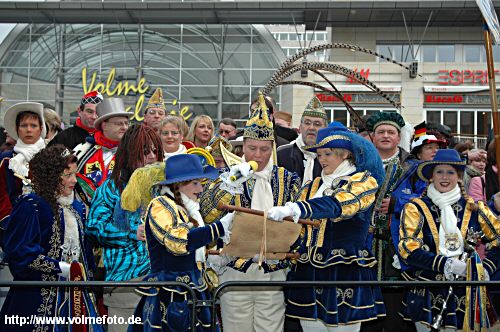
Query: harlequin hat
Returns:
{"type": "Point", "coordinates": [315, 109]}
{"type": "Point", "coordinates": [93, 97]}
{"type": "Point", "coordinates": [109, 108]}
{"type": "Point", "coordinates": [442, 157]}
{"type": "Point", "coordinates": [259, 126]}
{"type": "Point", "coordinates": [9, 120]}
{"type": "Point", "coordinates": [187, 167]}
{"type": "Point", "coordinates": [156, 100]}
{"type": "Point", "coordinates": [422, 138]}
{"type": "Point", "coordinates": [214, 144]}
{"type": "Point", "coordinates": [331, 137]}
{"type": "Point", "coordinates": [388, 118]}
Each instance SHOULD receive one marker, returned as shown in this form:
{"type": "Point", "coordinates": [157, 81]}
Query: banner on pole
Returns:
{"type": "Point", "coordinates": [490, 16]}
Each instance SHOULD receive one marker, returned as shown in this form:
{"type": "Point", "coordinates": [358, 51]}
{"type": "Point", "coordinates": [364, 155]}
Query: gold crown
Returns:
{"type": "Point", "coordinates": [156, 100]}
{"type": "Point", "coordinates": [259, 126]}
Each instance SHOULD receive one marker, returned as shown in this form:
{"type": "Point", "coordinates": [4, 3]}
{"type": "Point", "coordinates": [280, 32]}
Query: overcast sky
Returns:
{"type": "Point", "coordinates": [4, 30]}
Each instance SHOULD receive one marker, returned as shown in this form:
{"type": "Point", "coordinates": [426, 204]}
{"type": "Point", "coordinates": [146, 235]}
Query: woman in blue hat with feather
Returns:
{"type": "Point", "coordinates": [437, 238]}
{"type": "Point", "coordinates": [342, 199]}
{"type": "Point", "coordinates": [176, 238]}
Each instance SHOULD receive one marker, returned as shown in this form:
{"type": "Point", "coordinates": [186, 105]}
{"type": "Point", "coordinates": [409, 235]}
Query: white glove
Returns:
{"type": "Point", "coordinates": [218, 263]}
{"type": "Point", "coordinates": [243, 170]}
{"type": "Point", "coordinates": [227, 224]}
{"type": "Point", "coordinates": [278, 213]}
{"type": "Point", "coordinates": [458, 267]}
{"type": "Point", "coordinates": [65, 267]}
{"type": "Point", "coordinates": [486, 275]}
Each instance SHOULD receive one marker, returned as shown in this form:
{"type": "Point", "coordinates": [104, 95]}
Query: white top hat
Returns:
{"type": "Point", "coordinates": [109, 108]}
{"type": "Point", "coordinates": [9, 121]}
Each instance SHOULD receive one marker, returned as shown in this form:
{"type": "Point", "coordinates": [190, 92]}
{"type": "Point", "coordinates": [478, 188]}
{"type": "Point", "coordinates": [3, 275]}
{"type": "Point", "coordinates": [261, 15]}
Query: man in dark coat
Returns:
{"type": "Point", "coordinates": [292, 156]}
{"type": "Point", "coordinates": [84, 125]}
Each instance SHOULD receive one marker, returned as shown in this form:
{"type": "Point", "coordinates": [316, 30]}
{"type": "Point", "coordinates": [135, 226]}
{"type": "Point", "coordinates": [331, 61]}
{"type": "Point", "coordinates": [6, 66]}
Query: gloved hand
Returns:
{"type": "Point", "coordinates": [65, 268]}
{"type": "Point", "coordinates": [278, 213]}
{"type": "Point", "coordinates": [243, 171]}
{"type": "Point", "coordinates": [458, 267]}
{"type": "Point", "coordinates": [218, 263]}
{"type": "Point", "coordinates": [227, 224]}
{"type": "Point", "coordinates": [486, 275]}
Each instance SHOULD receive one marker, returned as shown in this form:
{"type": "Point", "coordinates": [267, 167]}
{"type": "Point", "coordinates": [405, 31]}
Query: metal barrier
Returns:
{"type": "Point", "coordinates": [87, 284]}
{"type": "Point", "coordinates": [307, 284]}
{"type": "Point", "coordinates": [194, 303]}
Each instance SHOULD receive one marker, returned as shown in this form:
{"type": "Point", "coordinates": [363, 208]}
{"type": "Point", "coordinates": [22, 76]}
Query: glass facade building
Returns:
{"type": "Point", "coordinates": [204, 69]}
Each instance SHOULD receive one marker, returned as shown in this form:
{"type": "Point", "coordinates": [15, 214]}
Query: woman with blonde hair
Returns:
{"type": "Point", "coordinates": [52, 123]}
{"type": "Point", "coordinates": [171, 132]}
{"type": "Point", "coordinates": [201, 131]}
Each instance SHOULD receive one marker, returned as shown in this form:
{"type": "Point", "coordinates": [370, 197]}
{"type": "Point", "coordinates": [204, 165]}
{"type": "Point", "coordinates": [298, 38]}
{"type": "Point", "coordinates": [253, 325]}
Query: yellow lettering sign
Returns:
{"type": "Point", "coordinates": [124, 88]}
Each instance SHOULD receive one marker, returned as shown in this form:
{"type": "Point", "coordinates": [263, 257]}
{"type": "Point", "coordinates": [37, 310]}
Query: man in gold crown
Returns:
{"type": "Point", "coordinates": [257, 189]}
{"type": "Point", "coordinates": [155, 110]}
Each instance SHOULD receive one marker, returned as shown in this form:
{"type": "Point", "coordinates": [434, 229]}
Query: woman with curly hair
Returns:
{"type": "Point", "coordinates": [121, 233]}
{"type": "Point", "coordinates": [45, 241]}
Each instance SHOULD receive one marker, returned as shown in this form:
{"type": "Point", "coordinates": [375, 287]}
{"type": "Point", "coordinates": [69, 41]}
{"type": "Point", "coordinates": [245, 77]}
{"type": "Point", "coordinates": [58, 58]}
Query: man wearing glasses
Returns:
{"type": "Point", "coordinates": [96, 156]}
{"type": "Point", "coordinates": [227, 128]}
{"type": "Point", "coordinates": [155, 111]}
{"type": "Point", "coordinates": [292, 156]}
{"type": "Point", "coordinates": [84, 125]}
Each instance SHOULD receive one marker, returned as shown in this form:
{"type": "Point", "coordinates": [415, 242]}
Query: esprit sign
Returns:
{"type": "Point", "coordinates": [109, 87]}
{"type": "Point", "coordinates": [466, 76]}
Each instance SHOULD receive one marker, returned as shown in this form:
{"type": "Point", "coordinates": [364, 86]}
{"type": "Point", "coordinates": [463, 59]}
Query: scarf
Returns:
{"type": "Point", "coordinates": [309, 157]}
{"type": "Point", "coordinates": [451, 243]}
{"type": "Point", "coordinates": [193, 210]}
{"type": "Point", "coordinates": [19, 163]}
{"type": "Point", "coordinates": [71, 246]}
{"type": "Point", "coordinates": [103, 141]}
{"type": "Point", "coordinates": [344, 169]}
{"type": "Point", "coordinates": [182, 149]}
{"type": "Point", "coordinates": [262, 195]}
{"type": "Point", "coordinates": [80, 124]}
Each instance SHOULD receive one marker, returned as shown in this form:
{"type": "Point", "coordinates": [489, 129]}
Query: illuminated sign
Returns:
{"type": "Point", "coordinates": [110, 89]}
{"type": "Point", "coordinates": [459, 77]}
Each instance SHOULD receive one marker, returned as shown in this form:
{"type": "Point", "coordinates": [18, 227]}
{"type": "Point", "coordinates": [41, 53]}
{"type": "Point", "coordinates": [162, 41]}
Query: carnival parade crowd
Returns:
{"type": "Point", "coordinates": [110, 200]}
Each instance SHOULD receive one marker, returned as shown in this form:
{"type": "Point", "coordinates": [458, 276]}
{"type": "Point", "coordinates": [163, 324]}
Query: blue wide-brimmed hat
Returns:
{"type": "Point", "coordinates": [442, 157]}
{"type": "Point", "coordinates": [187, 167]}
{"type": "Point", "coordinates": [331, 137]}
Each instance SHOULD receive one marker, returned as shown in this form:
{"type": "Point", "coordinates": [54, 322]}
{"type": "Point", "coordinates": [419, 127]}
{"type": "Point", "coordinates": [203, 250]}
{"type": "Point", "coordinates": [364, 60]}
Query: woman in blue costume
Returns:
{"type": "Point", "coordinates": [176, 238]}
{"type": "Point", "coordinates": [44, 241]}
{"type": "Point", "coordinates": [342, 200]}
{"type": "Point", "coordinates": [433, 236]}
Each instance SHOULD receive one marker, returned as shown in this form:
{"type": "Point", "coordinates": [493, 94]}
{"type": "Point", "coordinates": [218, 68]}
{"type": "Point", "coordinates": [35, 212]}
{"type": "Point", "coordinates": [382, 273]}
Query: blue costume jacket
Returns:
{"type": "Point", "coordinates": [418, 246]}
{"type": "Point", "coordinates": [33, 240]}
{"type": "Point", "coordinates": [336, 250]}
{"type": "Point", "coordinates": [172, 242]}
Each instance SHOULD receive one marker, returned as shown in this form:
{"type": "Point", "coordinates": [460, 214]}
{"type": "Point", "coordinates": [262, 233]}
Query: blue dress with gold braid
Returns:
{"type": "Point", "coordinates": [336, 251]}
{"type": "Point", "coordinates": [419, 235]}
{"type": "Point", "coordinates": [285, 185]}
{"type": "Point", "coordinates": [172, 242]}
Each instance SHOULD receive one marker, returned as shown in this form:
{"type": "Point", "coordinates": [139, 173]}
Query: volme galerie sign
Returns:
{"type": "Point", "coordinates": [111, 88]}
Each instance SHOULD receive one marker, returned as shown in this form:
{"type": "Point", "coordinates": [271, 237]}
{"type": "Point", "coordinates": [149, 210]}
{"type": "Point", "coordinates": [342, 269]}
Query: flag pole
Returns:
{"type": "Point", "coordinates": [493, 94]}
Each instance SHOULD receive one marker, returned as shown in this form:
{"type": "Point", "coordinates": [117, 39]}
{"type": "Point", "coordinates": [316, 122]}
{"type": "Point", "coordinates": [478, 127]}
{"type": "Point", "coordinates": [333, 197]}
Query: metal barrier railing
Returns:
{"type": "Point", "coordinates": [87, 284]}
{"type": "Point", "coordinates": [195, 303]}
